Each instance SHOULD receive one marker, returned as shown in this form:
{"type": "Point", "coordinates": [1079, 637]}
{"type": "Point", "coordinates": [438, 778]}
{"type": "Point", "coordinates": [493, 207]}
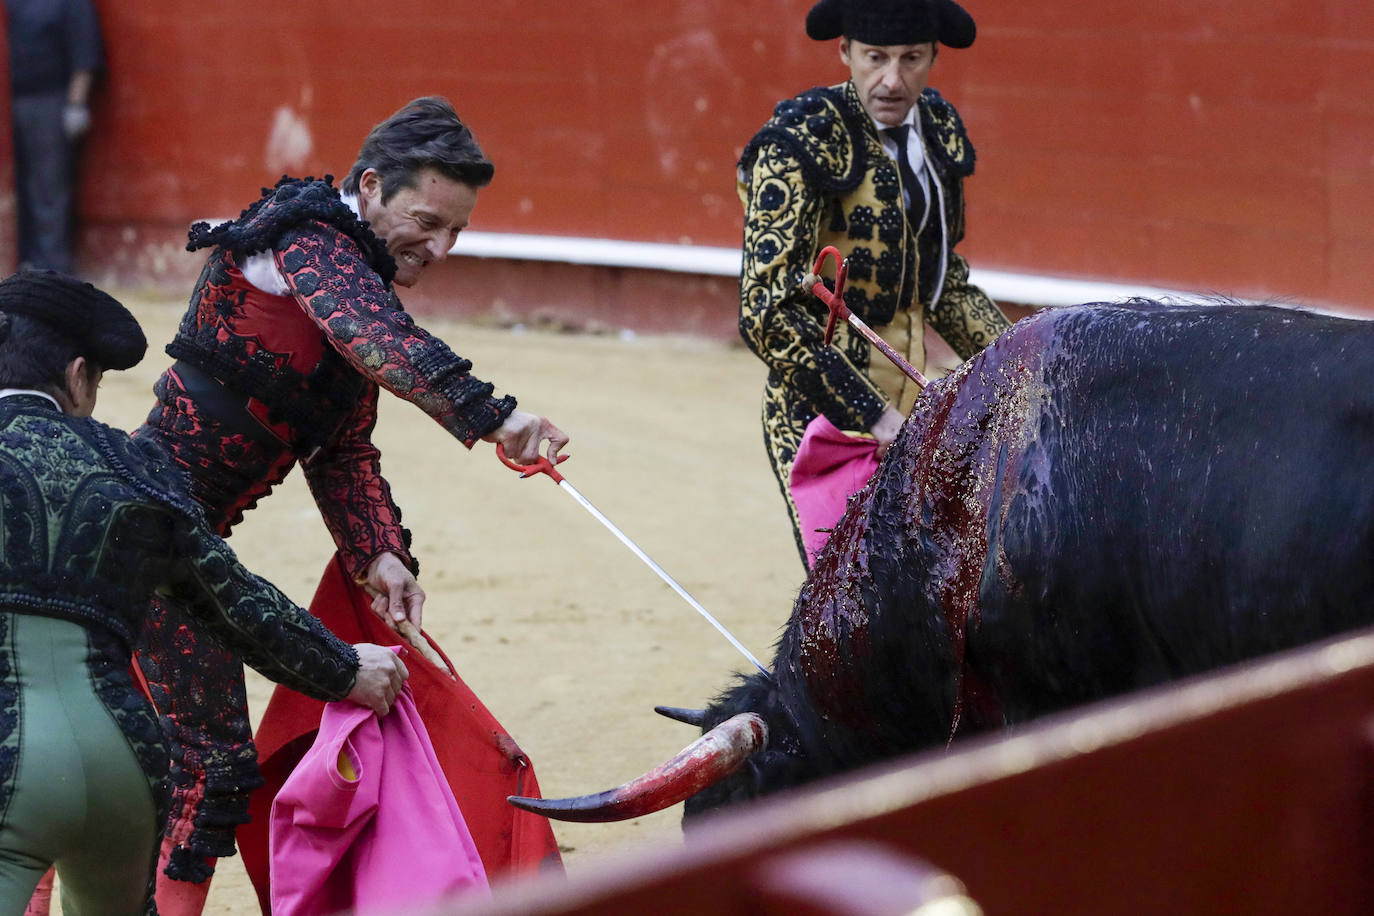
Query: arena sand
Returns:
{"type": "Point", "coordinates": [566, 636]}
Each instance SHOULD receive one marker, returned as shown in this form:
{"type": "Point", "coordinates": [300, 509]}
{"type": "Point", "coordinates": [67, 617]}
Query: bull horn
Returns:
{"type": "Point", "coordinates": [680, 714]}
{"type": "Point", "coordinates": [707, 760]}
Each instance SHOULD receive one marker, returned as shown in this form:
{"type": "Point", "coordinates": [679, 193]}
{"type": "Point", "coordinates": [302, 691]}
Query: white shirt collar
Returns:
{"type": "Point", "coordinates": [909, 120]}
{"type": "Point", "coordinates": [11, 392]}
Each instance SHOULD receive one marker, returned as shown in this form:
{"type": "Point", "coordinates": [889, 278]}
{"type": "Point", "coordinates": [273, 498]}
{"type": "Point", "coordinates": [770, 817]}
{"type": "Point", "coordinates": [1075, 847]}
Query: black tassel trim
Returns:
{"type": "Point", "coordinates": [285, 206]}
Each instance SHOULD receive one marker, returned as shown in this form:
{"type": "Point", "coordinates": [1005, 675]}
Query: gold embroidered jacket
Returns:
{"type": "Point", "coordinates": [816, 175]}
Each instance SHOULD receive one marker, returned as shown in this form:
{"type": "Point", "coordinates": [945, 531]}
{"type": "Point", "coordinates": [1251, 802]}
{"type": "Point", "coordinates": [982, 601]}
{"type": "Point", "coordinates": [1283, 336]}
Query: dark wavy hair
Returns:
{"type": "Point", "coordinates": [426, 133]}
{"type": "Point", "coordinates": [36, 355]}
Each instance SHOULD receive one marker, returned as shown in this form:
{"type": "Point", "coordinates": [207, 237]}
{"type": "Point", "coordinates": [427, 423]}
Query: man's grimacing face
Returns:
{"type": "Point", "coordinates": [889, 78]}
{"type": "Point", "coordinates": [419, 224]}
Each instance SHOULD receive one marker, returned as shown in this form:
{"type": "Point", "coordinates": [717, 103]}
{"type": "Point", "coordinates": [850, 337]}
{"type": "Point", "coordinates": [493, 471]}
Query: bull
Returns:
{"type": "Point", "coordinates": [1109, 497]}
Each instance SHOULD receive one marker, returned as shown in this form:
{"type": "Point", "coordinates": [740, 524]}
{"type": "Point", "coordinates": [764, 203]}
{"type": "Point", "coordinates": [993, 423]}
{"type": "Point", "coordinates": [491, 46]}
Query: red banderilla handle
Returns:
{"type": "Point", "coordinates": [542, 466]}
{"type": "Point", "coordinates": [835, 302]}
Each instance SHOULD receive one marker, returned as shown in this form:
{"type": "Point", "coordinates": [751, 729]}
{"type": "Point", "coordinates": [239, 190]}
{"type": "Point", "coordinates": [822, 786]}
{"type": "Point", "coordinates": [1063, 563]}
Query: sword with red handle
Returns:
{"type": "Point", "coordinates": [545, 466]}
{"type": "Point", "coordinates": [835, 302]}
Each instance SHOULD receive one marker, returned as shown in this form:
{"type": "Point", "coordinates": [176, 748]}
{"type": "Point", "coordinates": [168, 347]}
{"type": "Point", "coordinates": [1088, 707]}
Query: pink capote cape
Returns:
{"type": "Point", "coordinates": [831, 465]}
{"type": "Point", "coordinates": [367, 823]}
{"type": "Point", "coordinates": [482, 762]}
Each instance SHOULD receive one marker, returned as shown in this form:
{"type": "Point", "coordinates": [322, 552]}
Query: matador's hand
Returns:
{"type": "Point", "coordinates": [380, 677]}
{"type": "Point", "coordinates": [396, 596]}
{"type": "Point", "coordinates": [886, 429]}
{"type": "Point", "coordinates": [521, 435]}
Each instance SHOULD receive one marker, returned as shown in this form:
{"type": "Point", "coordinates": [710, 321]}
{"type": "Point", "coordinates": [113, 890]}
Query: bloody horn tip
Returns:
{"type": "Point", "coordinates": [707, 760]}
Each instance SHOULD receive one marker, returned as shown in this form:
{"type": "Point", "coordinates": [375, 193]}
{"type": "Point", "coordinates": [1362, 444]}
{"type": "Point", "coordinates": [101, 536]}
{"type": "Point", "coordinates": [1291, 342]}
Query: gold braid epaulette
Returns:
{"type": "Point", "coordinates": [946, 140]}
{"type": "Point", "coordinates": [819, 129]}
{"type": "Point", "coordinates": [822, 125]}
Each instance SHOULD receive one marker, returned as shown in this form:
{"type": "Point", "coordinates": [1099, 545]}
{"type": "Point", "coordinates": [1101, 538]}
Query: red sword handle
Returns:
{"type": "Point", "coordinates": [833, 300]}
{"type": "Point", "coordinates": [542, 466]}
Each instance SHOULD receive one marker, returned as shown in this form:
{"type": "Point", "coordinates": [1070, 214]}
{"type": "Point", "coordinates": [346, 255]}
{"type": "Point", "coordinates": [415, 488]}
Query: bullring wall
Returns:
{"type": "Point", "coordinates": [1224, 147]}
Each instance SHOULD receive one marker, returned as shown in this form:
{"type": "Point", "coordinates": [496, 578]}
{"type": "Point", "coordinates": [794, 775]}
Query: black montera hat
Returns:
{"type": "Point", "coordinates": [104, 331]}
{"type": "Point", "coordinates": [892, 22]}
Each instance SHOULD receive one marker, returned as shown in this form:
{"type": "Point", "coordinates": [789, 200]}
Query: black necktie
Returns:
{"type": "Point", "coordinates": [910, 183]}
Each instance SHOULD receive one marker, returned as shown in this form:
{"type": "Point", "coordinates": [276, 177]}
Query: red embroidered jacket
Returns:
{"type": "Point", "coordinates": [264, 381]}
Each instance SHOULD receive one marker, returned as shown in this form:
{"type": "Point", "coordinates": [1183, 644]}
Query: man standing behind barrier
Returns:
{"type": "Point", "coordinates": [293, 327]}
{"type": "Point", "coordinates": [91, 525]}
{"type": "Point", "coordinates": [55, 54]}
{"type": "Point", "coordinates": [875, 167]}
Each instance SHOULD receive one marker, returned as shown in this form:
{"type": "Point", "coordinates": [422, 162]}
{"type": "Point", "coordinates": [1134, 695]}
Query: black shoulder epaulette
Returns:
{"type": "Point", "coordinates": [946, 139]}
{"type": "Point", "coordinates": [818, 128]}
{"type": "Point", "coordinates": [145, 466]}
{"type": "Point", "coordinates": [285, 206]}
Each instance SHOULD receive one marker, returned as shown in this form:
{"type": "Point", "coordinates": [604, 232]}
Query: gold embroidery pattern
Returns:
{"type": "Point", "coordinates": [816, 175]}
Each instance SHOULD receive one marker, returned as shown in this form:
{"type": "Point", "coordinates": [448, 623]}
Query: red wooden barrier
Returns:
{"type": "Point", "coordinates": [1247, 792]}
{"type": "Point", "coordinates": [1219, 146]}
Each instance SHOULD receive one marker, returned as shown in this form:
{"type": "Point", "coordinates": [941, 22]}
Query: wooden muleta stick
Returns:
{"type": "Point", "coordinates": [412, 635]}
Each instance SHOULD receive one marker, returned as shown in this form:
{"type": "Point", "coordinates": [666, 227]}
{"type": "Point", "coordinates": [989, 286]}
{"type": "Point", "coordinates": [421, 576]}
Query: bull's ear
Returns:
{"type": "Point", "coordinates": [678, 713]}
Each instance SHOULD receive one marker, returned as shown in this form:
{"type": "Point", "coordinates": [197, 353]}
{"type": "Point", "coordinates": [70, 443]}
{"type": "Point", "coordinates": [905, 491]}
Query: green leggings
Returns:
{"type": "Point", "coordinates": [79, 798]}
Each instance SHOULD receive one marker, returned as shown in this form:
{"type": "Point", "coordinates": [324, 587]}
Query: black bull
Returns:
{"type": "Point", "coordinates": [1108, 497]}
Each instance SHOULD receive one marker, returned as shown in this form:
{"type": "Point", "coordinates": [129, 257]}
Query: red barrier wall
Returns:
{"type": "Point", "coordinates": [1223, 146]}
{"type": "Point", "coordinates": [1246, 791]}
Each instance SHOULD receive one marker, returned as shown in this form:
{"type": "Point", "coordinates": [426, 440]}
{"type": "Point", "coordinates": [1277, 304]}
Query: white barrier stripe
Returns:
{"type": "Point", "coordinates": [1005, 286]}
{"type": "Point", "coordinates": [697, 259]}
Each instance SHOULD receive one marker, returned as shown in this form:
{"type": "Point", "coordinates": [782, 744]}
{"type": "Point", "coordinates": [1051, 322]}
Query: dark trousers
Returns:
{"type": "Point", "coordinates": [43, 179]}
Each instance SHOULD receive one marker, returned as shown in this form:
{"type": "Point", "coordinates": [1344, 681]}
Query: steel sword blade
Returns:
{"type": "Point", "coordinates": [544, 466]}
{"type": "Point", "coordinates": [662, 574]}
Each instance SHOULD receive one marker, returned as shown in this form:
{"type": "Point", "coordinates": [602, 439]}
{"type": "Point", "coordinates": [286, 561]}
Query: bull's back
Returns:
{"type": "Point", "coordinates": [1191, 490]}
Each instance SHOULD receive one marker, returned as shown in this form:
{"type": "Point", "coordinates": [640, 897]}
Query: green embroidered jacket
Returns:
{"type": "Point", "coordinates": [92, 525]}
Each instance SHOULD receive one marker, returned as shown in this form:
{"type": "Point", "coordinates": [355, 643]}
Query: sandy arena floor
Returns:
{"type": "Point", "coordinates": [567, 637]}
